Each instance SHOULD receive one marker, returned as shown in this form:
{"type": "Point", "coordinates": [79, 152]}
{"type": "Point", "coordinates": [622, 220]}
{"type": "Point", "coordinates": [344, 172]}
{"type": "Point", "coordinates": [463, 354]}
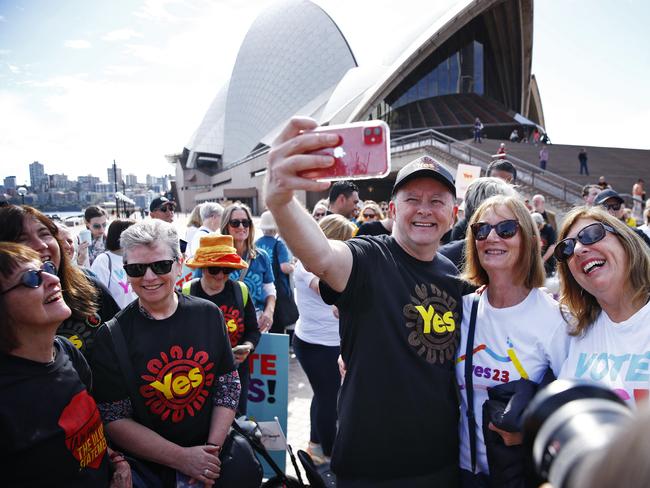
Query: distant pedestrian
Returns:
{"type": "Point", "coordinates": [502, 168]}
{"type": "Point", "coordinates": [478, 128]}
{"type": "Point", "coordinates": [603, 185]}
{"type": "Point", "coordinates": [582, 157]}
{"type": "Point", "coordinates": [638, 196]}
{"type": "Point", "coordinates": [589, 193]}
{"type": "Point", "coordinates": [543, 157]}
{"type": "Point", "coordinates": [501, 152]}
{"type": "Point", "coordinates": [514, 136]}
{"type": "Point", "coordinates": [536, 136]}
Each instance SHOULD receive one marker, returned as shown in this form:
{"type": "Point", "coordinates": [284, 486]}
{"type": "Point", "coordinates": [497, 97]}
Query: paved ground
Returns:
{"type": "Point", "coordinates": [300, 394]}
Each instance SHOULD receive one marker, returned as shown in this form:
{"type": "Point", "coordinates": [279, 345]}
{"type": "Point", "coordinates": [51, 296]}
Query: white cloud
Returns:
{"type": "Point", "coordinates": [77, 44]}
{"type": "Point", "coordinates": [121, 35]}
{"type": "Point", "coordinates": [13, 68]}
{"type": "Point", "coordinates": [157, 10]}
{"type": "Point", "coordinates": [117, 70]}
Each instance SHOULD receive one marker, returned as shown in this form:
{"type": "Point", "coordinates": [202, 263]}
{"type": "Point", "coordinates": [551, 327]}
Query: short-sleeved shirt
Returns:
{"type": "Point", "coordinates": [400, 326]}
{"type": "Point", "coordinates": [50, 428]}
{"type": "Point", "coordinates": [268, 243]}
{"type": "Point", "coordinates": [177, 361]}
{"type": "Point", "coordinates": [260, 273]}
{"type": "Point", "coordinates": [81, 331]}
{"type": "Point", "coordinates": [109, 269]}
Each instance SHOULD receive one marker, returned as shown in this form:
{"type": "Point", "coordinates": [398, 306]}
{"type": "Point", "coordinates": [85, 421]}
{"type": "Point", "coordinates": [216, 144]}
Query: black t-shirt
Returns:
{"type": "Point", "coordinates": [51, 433]}
{"type": "Point", "coordinates": [177, 361]}
{"type": "Point", "coordinates": [241, 325]}
{"type": "Point", "coordinates": [455, 252]}
{"type": "Point", "coordinates": [375, 228]}
{"type": "Point", "coordinates": [82, 332]}
{"type": "Point", "coordinates": [398, 407]}
{"type": "Point", "coordinates": [547, 235]}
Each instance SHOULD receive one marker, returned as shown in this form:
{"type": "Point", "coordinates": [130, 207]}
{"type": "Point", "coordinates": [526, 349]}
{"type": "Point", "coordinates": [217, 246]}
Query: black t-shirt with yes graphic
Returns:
{"type": "Point", "coordinates": [82, 331]}
{"type": "Point", "coordinates": [400, 328]}
{"type": "Point", "coordinates": [51, 433]}
{"type": "Point", "coordinates": [241, 327]}
{"type": "Point", "coordinates": [177, 362]}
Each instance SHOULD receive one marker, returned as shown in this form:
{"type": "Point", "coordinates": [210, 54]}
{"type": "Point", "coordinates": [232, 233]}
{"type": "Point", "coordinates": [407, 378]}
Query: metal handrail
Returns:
{"type": "Point", "coordinates": [545, 181]}
{"type": "Point", "coordinates": [528, 173]}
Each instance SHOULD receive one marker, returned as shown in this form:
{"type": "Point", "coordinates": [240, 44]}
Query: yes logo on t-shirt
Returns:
{"type": "Point", "coordinates": [432, 316]}
{"type": "Point", "coordinates": [234, 323]}
{"type": "Point", "coordinates": [178, 383]}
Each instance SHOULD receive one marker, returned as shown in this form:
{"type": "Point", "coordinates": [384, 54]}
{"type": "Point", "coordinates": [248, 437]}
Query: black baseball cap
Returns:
{"type": "Point", "coordinates": [425, 166]}
{"type": "Point", "coordinates": [605, 195]}
{"type": "Point", "coordinates": [156, 203]}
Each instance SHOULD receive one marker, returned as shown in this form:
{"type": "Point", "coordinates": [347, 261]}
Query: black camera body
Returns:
{"type": "Point", "coordinates": [565, 422]}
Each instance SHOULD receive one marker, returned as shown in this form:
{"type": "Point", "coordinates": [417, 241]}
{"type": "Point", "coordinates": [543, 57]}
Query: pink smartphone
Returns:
{"type": "Point", "coordinates": [363, 152]}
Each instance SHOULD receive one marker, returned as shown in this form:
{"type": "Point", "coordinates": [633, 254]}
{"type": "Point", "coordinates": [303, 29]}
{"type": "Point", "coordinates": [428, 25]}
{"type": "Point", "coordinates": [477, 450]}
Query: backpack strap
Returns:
{"type": "Point", "coordinates": [122, 353]}
{"type": "Point", "coordinates": [469, 384]}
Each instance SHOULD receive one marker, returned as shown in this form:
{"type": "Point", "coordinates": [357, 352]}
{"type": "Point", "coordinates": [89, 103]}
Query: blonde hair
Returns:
{"type": "Point", "coordinates": [578, 301]}
{"type": "Point", "coordinates": [531, 271]}
{"type": "Point", "coordinates": [374, 207]}
{"type": "Point", "coordinates": [337, 227]}
{"type": "Point", "coordinates": [194, 220]}
{"type": "Point", "coordinates": [225, 219]}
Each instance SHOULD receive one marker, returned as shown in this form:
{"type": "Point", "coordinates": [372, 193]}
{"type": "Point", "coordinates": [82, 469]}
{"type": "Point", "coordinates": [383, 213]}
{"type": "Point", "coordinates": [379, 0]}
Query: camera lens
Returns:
{"type": "Point", "coordinates": [367, 132]}
{"type": "Point", "coordinates": [377, 131]}
{"type": "Point", "coordinates": [565, 422]}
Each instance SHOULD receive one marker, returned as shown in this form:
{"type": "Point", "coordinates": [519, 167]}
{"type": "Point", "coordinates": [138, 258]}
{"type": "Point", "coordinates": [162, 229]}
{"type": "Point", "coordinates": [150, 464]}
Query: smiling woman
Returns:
{"type": "Point", "coordinates": [177, 407]}
{"type": "Point", "coordinates": [503, 253]}
{"type": "Point", "coordinates": [90, 302]}
{"type": "Point", "coordinates": [605, 284]}
{"type": "Point", "coordinates": [45, 402]}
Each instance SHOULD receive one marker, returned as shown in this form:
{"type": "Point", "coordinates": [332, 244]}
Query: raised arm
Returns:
{"type": "Point", "coordinates": [329, 260]}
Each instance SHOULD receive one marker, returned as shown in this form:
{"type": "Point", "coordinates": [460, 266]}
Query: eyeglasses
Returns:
{"type": "Point", "coordinates": [236, 223]}
{"type": "Point", "coordinates": [369, 216]}
{"type": "Point", "coordinates": [612, 206]}
{"type": "Point", "coordinates": [166, 208]}
{"type": "Point", "coordinates": [33, 278]}
{"type": "Point", "coordinates": [318, 215]}
{"type": "Point", "coordinates": [215, 270]}
{"type": "Point", "coordinates": [505, 229]}
{"type": "Point", "coordinates": [99, 226]}
{"type": "Point", "coordinates": [137, 270]}
{"type": "Point", "coordinates": [588, 235]}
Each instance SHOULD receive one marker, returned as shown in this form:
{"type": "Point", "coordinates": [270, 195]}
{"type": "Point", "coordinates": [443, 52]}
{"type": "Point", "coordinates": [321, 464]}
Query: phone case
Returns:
{"type": "Point", "coordinates": [363, 152]}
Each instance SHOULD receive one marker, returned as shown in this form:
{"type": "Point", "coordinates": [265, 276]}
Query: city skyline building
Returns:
{"type": "Point", "coordinates": [36, 175]}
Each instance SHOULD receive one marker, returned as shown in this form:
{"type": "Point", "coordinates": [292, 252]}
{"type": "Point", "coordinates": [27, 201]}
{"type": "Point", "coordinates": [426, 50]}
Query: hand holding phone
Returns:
{"type": "Point", "coordinates": [363, 152]}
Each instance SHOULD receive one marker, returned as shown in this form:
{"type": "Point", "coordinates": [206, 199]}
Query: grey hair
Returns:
{"type": "Point", "coordinates": [148, 233]}
{"type": "Point", "coordinates": [538, 197]}
{"type": "Point", "coordinates": [210, 209]}
{"type": "Point", "coordinates": [483, 188]}
{"type": "Point", "coordinates": [538, 218]}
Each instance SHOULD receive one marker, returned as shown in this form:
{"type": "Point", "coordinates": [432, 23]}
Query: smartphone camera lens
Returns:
{"type": "Point", "coordinates": [367, 132]}
{"type": "Point", "coordinates": [377, 131]}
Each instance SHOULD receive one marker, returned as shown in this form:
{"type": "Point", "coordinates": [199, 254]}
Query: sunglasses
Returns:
{"type": "Point", "coordinates": [504, 229]}
{"type": "Point", "coordinates": [215, 270]}
{"type": "Point", "coordinates": [137, 270]}
{"type": "Point", "coordinates": [99, 226]}
{"type": "Point", "coordinates": [33, 278]}
{"type": "Point", "coordinates": [612, 206]}
{"type": "Point", "coordinates": [236, 223]}
{"type": "Point", "coordinates": [369, 216]}
{"type": "Point", "coordinates": [588, 235]}
{"type": "Point", "coordinates": [166, 208]}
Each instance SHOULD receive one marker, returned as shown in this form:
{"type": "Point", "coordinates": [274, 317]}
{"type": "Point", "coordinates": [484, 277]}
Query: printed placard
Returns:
{"type": "Point", "coordinates": [465, 174]}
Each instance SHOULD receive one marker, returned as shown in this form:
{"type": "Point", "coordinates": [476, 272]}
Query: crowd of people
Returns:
{"type": "Point", "coordinates": [413, 319]}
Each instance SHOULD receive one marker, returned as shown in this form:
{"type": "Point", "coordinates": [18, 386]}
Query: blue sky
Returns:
{"type": "Point", "coordinates": [83, 83]}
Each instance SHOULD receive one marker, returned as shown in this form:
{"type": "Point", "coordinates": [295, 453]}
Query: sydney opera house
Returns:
{"type": "Point", "coordinates": [473, 59]}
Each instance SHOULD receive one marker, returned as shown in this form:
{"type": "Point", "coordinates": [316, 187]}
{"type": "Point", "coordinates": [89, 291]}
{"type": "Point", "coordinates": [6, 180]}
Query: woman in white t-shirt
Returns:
{"type": "Point", "coordinates": [605, 275]}
{"type": "Point", "coordinates": [316, 343]}
{"type": "Point", "coordinates": [519, 330]}
{"type": "Point", "coordinates": [108, 266]}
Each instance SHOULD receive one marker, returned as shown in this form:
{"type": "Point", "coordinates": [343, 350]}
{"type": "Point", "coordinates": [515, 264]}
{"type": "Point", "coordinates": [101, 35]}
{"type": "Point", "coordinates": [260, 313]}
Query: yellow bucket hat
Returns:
{"type": "Point", "coordinates": [217, 251]}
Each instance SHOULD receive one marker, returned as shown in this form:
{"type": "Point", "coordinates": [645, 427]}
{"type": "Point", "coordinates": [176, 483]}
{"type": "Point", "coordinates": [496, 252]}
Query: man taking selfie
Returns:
{"type": "Point", "coordinates": [399, 304]}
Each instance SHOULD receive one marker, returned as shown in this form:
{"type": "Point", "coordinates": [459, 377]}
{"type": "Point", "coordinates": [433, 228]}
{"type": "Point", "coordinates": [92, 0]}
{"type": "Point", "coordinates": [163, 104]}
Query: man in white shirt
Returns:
{"type": "Point", "coordinates": [210, 213]}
